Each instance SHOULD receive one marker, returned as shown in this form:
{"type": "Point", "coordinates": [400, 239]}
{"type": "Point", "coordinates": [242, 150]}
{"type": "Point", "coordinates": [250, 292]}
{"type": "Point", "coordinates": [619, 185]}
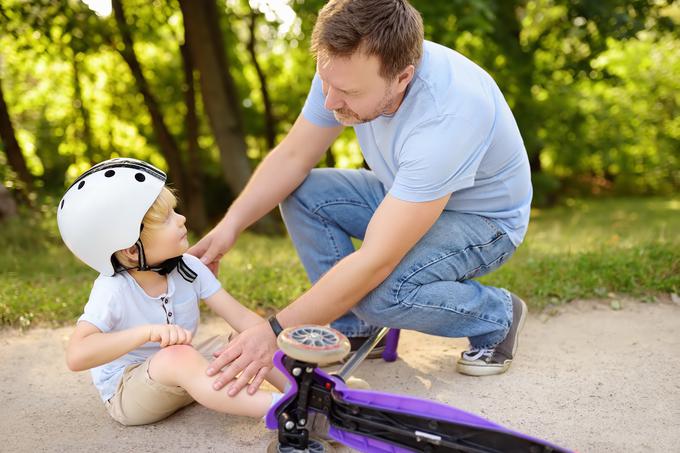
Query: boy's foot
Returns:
{"type": "Point", "coordinates": [486, 362]}
{"type": "Point", "coordinates": [357, 383]}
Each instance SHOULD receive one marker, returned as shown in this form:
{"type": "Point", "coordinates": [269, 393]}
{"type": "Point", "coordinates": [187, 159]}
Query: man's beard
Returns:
{"type": "Point", "coordinates": [348, 117]}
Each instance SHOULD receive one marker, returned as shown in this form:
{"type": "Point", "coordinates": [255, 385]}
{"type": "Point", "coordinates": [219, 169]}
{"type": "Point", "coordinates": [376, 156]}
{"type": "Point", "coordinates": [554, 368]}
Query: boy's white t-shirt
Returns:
{"type": "Point", "coordinates": [117, 303]}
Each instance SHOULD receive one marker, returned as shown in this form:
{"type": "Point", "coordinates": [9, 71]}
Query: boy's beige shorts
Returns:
{"type": "Point", "coordinates": [140, 400]}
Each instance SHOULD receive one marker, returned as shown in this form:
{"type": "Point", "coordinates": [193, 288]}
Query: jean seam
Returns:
{"type": "Point", "coordinates": [460, 312]}
{"type": "Point", "coordinates": [324, 221]}
{"type": "Point", "coordinates": [331, 238]}
{"type": "Point", "coordinates": [407, 277]}
{"type": "Point", "coordinates": [315, 210]}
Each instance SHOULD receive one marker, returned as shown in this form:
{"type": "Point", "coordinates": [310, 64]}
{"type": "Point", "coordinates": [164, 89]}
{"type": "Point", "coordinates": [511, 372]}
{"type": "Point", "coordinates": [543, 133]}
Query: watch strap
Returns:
{"type": "Point", "coordinates": [275, 325]}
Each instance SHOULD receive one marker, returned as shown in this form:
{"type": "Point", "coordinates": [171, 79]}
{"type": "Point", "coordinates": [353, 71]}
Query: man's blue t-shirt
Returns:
{"type": "Point", "coordinates": [453, 133]}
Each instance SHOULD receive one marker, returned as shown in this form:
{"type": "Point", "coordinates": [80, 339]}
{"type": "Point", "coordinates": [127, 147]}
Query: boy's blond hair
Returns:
{"type": "Point", "coordinates": [155, 217]}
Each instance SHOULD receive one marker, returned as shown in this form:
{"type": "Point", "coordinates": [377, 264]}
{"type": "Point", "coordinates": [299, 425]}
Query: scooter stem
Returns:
{"type": "Point", "coordinates": [359, 356]}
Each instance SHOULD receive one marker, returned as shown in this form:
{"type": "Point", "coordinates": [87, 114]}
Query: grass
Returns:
{"type": "Point", "coordinates": [584, 249]}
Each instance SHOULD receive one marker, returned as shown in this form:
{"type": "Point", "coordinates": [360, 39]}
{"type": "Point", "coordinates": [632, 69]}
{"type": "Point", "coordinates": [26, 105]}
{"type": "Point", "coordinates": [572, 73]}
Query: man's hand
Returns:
{"type": "Point", "coordinates": [214, 245]}
{"type": "Point", "coordinates": [250, 354]}
{"type": "Point", "coordinates": [169, 334]}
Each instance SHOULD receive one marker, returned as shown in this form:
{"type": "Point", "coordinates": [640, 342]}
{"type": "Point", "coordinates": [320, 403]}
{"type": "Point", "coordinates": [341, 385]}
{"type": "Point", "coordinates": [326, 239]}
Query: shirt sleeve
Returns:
{"type": "Point", "coordinates": [206, 284]}
{"type": "Point", "coordinates": [313, 110]}
{"type": "Point", "coordinates": [440, 157]}
{"type": "Point", "coordinates": [103, 307]}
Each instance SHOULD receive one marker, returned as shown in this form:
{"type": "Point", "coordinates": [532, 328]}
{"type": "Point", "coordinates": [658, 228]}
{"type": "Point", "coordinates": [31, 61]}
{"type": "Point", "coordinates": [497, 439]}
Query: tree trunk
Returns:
{"type": "Point", "coordinates": [220, 100]}
{"type": "Point", "coordinates": [166, 141]}
{"type": "Point", "coordinates": [15, 157]}
{"type": "Point", "coordinates": [90, 150]}
{"type": "Point", "coordinates": [269, 121]}
{"type": "Point", "coordinates": [507, 31]}
{"type": "Point", "coordinates": [195, 209]}
{"type": "Point", "coordinates": [8, 207]}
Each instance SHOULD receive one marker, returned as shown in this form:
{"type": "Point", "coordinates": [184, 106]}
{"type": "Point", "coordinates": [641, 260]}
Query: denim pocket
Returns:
{"type": "Point", "coordinates": [493, 226]}
{"type": "Point", "coordinates": [487, 268]}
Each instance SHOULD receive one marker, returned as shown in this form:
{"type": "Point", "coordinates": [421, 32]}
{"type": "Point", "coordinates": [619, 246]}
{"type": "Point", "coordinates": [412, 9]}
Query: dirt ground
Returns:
{"type": "Point", "coordinates": [586, 377]}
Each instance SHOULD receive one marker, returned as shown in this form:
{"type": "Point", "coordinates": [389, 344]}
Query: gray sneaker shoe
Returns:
{"type": "Point", "coordinates": [486, 362]}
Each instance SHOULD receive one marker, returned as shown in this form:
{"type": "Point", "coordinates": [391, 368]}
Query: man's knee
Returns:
{"type": "Point", "coordinates": [379, 307]}
{"type": "Point", "coordinates": [313, 184]}
{"type": "Point", "coordinates": [295, 201]}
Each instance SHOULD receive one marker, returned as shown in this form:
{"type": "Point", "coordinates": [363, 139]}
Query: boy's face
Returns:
{"type": "Point", "coordinates": [168, 240]}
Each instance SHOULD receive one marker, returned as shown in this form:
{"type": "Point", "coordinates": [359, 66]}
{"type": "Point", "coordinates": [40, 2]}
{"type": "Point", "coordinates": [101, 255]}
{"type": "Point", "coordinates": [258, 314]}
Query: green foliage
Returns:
{"type": "Point", "coordinates": [593, 85]}
{"type": "Point", "coordinates": [584, 249]}
{"type": "Point", "coordinates": [592, 249]}
{"type": "Point", "coordinates": [40, 279]}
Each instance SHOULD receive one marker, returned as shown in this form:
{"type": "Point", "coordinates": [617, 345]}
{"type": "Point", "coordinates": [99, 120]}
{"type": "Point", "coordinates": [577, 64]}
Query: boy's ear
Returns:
{"type": "Point", "coordinates": [131, 252]}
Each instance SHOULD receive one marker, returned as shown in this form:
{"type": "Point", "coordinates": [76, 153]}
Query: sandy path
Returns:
{"type": "Point", "coordinates": [587, 377]}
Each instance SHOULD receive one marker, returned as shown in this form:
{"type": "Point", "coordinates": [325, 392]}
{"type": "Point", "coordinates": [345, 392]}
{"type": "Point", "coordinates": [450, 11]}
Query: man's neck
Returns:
{"type": "Point", "coordinates": [396, 103]}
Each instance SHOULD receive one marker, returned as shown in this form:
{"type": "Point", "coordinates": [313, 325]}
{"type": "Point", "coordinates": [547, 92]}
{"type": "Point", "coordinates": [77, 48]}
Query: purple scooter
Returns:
{"type": "Point", "coordinates": [366, 420]}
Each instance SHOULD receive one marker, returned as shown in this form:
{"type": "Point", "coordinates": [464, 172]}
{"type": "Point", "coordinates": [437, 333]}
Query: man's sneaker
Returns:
{"type": "Point", "coordinates": [485, 362]}
{"type": "Point", "coordinates": [356, 342]}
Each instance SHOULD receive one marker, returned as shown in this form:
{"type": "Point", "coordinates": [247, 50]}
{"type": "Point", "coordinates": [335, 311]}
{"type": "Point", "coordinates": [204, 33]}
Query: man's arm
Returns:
{"type": "Point", "coordinates": [394, 229]}
{"type": "Point", "coordinates": [279, 174]}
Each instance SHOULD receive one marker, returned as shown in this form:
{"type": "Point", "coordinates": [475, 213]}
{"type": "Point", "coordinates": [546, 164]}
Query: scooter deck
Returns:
{"type": "Point", "coordinates": [382, 422]}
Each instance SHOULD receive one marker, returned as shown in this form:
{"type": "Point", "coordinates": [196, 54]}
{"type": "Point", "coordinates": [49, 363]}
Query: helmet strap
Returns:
{"type": "Point", "coordinates": [165, 267]}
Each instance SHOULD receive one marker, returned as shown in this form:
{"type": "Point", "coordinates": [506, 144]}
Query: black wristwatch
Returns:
{"type": "Point", "coordinates": [274, 323]}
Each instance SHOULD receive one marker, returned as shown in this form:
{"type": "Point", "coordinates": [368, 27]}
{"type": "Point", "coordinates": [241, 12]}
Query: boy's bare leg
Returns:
{"type": "Point", "coordinates": [183, 366]}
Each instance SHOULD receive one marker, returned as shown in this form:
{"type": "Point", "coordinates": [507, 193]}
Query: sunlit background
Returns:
{"type": "Point", "coordinates": [593, 85]}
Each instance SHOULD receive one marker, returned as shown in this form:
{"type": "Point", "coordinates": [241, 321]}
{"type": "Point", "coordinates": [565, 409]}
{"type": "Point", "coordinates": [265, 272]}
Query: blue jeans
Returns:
{"type": "Point", "coordinates": [432, 289]}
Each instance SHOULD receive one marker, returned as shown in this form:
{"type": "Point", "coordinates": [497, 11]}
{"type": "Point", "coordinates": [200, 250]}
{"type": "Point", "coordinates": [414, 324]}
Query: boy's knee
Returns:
{"type": "Point", "coordinates": [172, 358]}
{"type": "Point", "coordinates": [177, 352]}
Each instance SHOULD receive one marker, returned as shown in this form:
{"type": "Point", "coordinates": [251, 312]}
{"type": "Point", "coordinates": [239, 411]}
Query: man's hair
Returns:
{"type": "Point", "coordinates": [392, 30]}
{"type": "Point", "coordinates": [154, 218]}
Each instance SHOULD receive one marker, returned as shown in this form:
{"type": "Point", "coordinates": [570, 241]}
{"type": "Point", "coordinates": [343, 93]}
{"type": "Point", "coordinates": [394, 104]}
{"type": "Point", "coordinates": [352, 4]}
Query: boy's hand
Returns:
{"type": "Point", "coordinates": [169, 334]}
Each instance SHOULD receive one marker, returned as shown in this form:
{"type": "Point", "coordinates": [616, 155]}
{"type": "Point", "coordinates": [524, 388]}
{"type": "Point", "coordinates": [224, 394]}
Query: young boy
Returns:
{"type": "Point", "coordinates": [136, 330]}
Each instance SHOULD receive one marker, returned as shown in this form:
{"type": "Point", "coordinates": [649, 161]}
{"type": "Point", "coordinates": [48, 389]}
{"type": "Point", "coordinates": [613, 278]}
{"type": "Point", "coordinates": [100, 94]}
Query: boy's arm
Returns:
{"type": "Point", "coordinates": [226, 307]}
{"type": "Point", "coordinates": [89, 347]}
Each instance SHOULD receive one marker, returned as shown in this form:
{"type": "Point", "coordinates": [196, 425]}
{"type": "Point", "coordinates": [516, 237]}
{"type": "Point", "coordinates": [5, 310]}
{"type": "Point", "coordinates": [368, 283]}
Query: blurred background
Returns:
{"type": "Point", "coordinates": [204, 89]}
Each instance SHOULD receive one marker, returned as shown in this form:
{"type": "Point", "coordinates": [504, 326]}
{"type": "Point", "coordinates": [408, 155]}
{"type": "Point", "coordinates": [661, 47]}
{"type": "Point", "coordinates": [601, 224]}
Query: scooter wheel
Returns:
{"type": "Point", "coordinates": [314, 344]}
{"type": "Point", "coordinates": [313, 446]}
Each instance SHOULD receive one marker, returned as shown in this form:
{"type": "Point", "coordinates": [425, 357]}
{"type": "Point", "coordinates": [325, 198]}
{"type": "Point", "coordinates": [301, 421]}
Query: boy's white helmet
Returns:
{"type": "Point", "coordinates": [102, 211]}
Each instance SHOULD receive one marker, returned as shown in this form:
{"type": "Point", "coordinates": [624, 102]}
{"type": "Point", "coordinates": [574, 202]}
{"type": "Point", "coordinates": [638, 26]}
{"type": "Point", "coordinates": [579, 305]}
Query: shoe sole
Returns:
{"type": "Point", "coordinates": [471, 369]}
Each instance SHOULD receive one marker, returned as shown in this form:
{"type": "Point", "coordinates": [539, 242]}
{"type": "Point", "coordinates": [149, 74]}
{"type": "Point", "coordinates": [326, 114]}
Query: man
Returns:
{"type": "Point", "coordinates": [447, 198]}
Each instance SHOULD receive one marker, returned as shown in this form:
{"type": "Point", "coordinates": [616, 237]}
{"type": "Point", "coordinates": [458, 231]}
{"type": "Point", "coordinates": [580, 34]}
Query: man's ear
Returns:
{"type": "Point", "coordinates": [405, 77]}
